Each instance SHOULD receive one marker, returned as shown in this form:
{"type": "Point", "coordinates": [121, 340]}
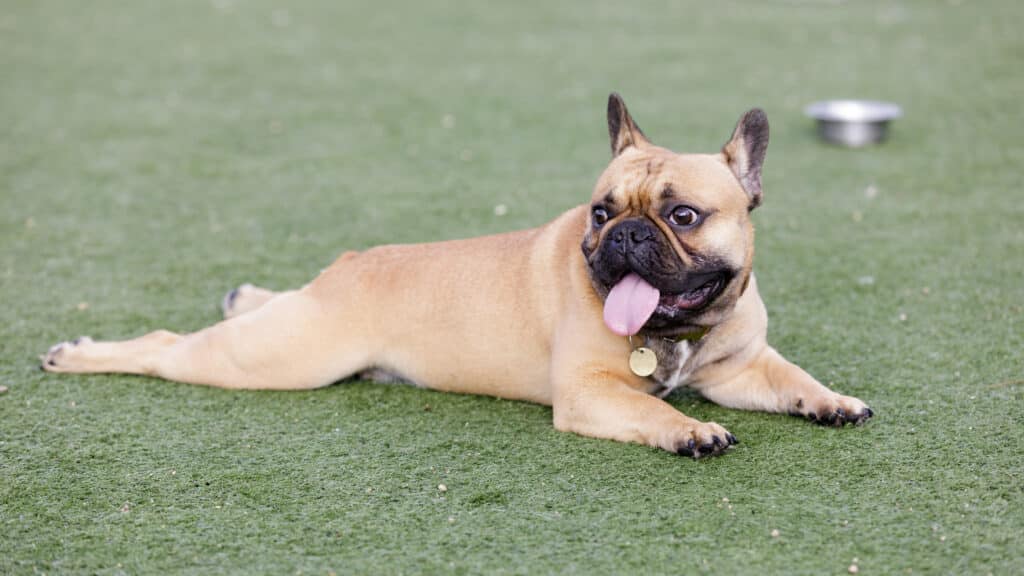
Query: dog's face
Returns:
{"type": "Point", "coordinates": [673, 228]}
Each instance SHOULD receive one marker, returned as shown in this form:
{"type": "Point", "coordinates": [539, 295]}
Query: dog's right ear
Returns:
{"type": "Point", "coordinates": [621, 128]}
{"type": "Point", "coordinates": [744, 153]}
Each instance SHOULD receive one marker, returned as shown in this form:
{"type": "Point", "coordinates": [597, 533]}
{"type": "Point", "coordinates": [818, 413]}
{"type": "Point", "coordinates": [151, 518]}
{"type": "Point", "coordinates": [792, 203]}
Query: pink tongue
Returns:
{"type": "Point", "coordinates": [629, 304]}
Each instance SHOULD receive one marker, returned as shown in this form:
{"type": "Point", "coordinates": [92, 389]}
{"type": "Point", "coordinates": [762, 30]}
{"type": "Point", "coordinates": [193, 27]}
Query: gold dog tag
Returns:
{"type": "Point", "coordinates": [643, 361]}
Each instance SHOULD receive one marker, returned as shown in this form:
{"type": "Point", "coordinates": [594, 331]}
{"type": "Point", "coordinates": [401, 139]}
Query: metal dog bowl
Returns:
{"type": "Point", "coordinates": [853, 123]}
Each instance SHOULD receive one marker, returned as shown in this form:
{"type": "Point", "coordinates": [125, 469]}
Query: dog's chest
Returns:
{"type": "Point", "coordinates": [673, 363]}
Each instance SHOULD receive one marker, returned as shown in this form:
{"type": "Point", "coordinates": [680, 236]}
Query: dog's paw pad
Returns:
{"type": "Point", "coordinates": [704, 439]}
{"type": "Point", "coordinates": [861, 417]}
{"type": "Point", "coordinates": [836, 411]}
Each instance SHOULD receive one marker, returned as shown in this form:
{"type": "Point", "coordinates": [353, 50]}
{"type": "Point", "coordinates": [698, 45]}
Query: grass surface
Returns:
{"type": "Point", "coordinates": [155, 154]}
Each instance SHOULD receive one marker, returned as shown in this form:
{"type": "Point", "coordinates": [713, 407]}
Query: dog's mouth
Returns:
{"type": "Point", "coordinates": [633, 303]}
{"type": "Point", "coordinates": [699, 297]}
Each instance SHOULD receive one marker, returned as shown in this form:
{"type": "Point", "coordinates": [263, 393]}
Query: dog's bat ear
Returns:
{"type": "Point", "coordinates": [744, 152]}
{"type": "Point", "coordinates": [623, 131]}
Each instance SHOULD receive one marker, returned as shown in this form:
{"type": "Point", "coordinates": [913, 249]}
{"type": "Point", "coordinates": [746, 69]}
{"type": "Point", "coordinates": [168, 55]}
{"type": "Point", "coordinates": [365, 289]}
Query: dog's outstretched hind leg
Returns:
{"type": "Point", "coordinates": [279, 345]}
{"type": "Point", "coordinates": [245, 298]}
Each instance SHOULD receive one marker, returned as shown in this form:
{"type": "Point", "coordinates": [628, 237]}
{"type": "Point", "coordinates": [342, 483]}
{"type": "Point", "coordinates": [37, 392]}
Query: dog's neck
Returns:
{"type": "Point", "coordinates": [688, 336]}
{"type": "Point", "coordinates": [673, 359]}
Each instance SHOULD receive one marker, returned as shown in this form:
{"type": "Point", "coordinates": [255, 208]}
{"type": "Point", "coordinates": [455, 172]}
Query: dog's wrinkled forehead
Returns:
{"type": "Point", "coordinates": [640, 179]}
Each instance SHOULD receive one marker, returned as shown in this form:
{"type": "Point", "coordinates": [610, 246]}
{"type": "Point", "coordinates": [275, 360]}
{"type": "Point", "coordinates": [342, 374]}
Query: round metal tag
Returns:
{"type": "Point", "coordinates": [643, 361]}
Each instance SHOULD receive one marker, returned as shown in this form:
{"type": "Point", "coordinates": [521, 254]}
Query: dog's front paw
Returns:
{"type": "Point", "coordinates": [64, 357]}
{"type": "Point", "coordinates": [835, 410]}
{"type": "Point", "coordinates": [698, 439]}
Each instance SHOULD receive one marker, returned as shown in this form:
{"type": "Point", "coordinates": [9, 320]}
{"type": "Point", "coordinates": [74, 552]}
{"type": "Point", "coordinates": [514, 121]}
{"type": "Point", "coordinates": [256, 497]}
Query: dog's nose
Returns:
{"type": "Point", "coordinates": [640, 235]}
{"type": "Point", "coordinates": [631, 233]}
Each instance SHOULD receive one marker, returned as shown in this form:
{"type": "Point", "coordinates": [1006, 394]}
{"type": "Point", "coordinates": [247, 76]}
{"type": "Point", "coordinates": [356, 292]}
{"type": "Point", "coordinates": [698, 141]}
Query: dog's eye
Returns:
{"type": "Point", "coordinates": [600, 216]}
{"type": "Point", "coordinates": [683, 216]}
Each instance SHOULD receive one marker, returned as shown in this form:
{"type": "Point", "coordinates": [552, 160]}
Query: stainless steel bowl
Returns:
{"type": "Point", "coordinates": [853, 123]}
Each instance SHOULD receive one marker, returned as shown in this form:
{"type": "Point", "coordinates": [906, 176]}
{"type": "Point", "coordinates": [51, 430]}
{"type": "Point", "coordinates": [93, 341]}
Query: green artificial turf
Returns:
{"type": "Point", "coordinates": [156, 154]}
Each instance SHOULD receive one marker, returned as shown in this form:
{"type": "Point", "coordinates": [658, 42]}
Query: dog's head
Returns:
{"type": "Point", "coordinates": [669, 243]}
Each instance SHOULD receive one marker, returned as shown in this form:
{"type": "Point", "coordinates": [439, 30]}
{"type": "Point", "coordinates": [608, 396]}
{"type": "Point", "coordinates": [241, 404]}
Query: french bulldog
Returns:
{"type": "Point", "coordinates": [599, 314]}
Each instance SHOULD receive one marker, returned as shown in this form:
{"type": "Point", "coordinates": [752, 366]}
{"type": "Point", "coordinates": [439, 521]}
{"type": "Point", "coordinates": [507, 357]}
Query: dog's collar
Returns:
{"type": "Point", "coordinates": [692, 336]}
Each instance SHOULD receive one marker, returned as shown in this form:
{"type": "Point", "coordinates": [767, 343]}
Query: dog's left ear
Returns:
{"type": "Point", "coordinates": [744, 153]}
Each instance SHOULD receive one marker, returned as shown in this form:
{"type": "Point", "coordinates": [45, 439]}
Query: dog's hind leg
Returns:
{"type": "Point", "coordinates": [291, 342]}
{"type": "Point", "coordinates": [244, 299]}
{"type": "Point", "coordinates": [247, 297]}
